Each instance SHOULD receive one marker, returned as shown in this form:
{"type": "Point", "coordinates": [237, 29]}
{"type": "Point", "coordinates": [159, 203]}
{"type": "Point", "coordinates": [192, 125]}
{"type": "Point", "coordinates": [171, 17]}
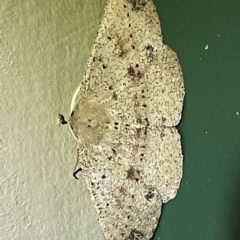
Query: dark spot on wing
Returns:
{"type": "Point", "coordinates": [133, 174]}
{"type": "Point", "coordinates": [131, 71]}
{"type": "Point", "coordinates": [114, 151]}
{"type": "Point", "coordinates": [135, 235]}
{"type": "Point", "coordinates": [149, 48]}
{"type": "Point", "coordinates": [104, 66]}
{"type": "Point", "coordinates": [137, 5]}
{"type": "Point", "coordinates": [147, 125]}
{"type": "Point", "coordinates": [97, 58]}
{"type": "Point", "coordinates": [149, 52]}
{"type": "Point", "coordinates": [138, 132]}
{"type": "Point", "coordinates": [114, 96]}
{"type": "Point", "coordinates": [150, 194]}
{"type": "Point", "coordinates": [139, 120]}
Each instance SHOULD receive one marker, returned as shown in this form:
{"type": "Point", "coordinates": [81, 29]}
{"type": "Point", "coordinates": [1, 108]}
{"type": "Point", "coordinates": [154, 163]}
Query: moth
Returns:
{"type": "Point", "coordinates": [124, 116]}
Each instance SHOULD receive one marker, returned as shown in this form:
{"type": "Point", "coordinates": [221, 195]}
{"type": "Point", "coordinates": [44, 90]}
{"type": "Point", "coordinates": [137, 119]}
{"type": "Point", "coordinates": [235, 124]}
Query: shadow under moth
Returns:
{"type": "Point", "coordinates": [123, 117]}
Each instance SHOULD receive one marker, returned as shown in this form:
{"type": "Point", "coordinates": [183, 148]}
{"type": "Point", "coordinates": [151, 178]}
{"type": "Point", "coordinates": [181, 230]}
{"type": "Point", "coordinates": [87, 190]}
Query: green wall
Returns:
{"type": "Point", "coordinates": [207, 206]}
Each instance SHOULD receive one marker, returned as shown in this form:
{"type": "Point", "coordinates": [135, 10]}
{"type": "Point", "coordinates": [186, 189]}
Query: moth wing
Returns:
{"type": "Point", "coordinates": [127, 204]}
{"type": "Point", "coordinates": [129, 182]}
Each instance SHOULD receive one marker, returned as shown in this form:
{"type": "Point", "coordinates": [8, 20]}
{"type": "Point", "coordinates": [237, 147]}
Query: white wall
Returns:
{"type": "Point", "coordinates": [43, 47]}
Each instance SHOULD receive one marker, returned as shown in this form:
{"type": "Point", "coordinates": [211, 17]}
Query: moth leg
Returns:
{"type": "Point", "coordinates": [77, 170]}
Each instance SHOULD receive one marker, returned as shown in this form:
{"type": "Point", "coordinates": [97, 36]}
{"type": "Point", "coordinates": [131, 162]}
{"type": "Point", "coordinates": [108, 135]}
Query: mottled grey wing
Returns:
{"type": "Point", "coordinates": [128, 181]}
{"type": "Point", "coordinates": [129, 100]}
{"type": "Point", "coordinates": [128, 55]}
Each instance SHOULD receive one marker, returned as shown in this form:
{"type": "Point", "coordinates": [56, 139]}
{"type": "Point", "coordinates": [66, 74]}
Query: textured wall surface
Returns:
{"type": "Point", "coordinates": [43, 47]}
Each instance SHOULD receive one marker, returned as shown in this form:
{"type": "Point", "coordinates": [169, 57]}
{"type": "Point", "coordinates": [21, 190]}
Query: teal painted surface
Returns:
{"type": "Point", "coordinates": [208, 203]}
